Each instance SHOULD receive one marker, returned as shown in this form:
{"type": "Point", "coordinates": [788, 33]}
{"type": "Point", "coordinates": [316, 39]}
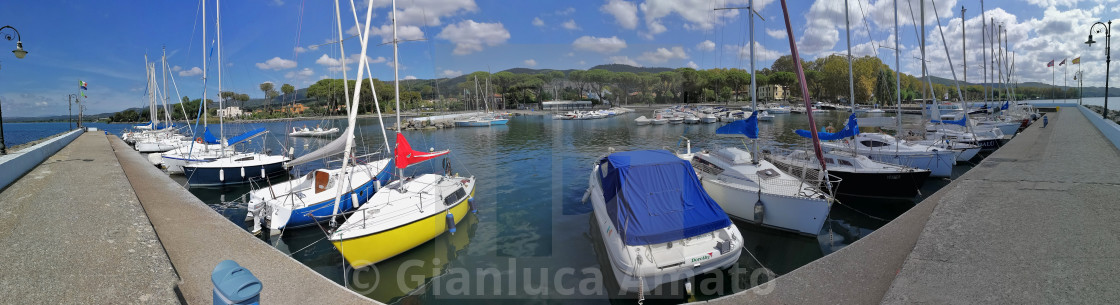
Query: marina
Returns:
{"type": "Point", "coordinates": [837, 179]}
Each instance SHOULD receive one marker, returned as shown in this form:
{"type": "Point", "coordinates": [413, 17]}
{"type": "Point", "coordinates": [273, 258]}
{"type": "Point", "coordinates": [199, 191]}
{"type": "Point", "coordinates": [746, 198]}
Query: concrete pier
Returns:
{"type": "Point", "coordinates": [1035, 222]}
{"type": "Point", "coordinates": [96, 223]}
{"type": "Point", "coordinates": [73, 232]}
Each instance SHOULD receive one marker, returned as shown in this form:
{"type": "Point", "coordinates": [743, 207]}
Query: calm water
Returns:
{"type": "Point", "coordinates": [531, 238]}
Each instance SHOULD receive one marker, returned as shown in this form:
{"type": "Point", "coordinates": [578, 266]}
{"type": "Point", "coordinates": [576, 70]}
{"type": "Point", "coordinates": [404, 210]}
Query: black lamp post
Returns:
{"type": "Point", "coordinates": [70, 100]}
{"type": "Point", "coordinates": [1107, 55]}
{"type": "Point", "coordinates": [20, 53]}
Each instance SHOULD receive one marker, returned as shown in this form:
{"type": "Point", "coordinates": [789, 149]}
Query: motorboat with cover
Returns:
{"type": "Point", "coordinates": [317, 132]}
{"type": "Point", "coordinates": [657, 223]}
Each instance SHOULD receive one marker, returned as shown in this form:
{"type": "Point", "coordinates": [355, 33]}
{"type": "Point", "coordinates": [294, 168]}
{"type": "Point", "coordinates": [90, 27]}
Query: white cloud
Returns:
{"type": "Point", "coordinates": [404, 32]}
{"type": "Point", "coordinates": [277, 2]}
{"type": "Point", "coordinates": [276, 63]}
{"type": "Point", "coordinates": [624, 60]}
{"type": "Point", "coordinates": [776, 33]}
{"type": "Point", "coordinates": [470, 36]}
{"type": "Point", "coordinates": [191, 72]}
{"type": "Point", "coordinates": [662, 55]}
{"type": "Point", "coordinates": [328, 61]}
{"type": "Point", "coordinates": [450, 73]}
{"type": "Point", "coordinates": [530, 63]}
{"type": "Point", "coordinates": [706, 45]}
{"type": "Point", "coordinates": [603, 45]}
{"type": "Point", "coordinates": [570, 24]}
{"type": "Point", "coordinates": [426, 12]}
{"type": "Point", "coordinates": [761, 52]}
{"type": "Point", "coordinates": [304, 73]}
{"type": "Point", "coordinates": [567, 11]}
{"type": "Point", "coordinates": [582, 63]}
{"type": "Point", "coordinates": [625, 13]}
{"type": "Point", "coordinates": [176, 69]}
{"type": "Point", "coordinates": [693, 65]}
{"type": "Point", "coordinates": [697, 14]}
{"type": "Point", "coordinates": [410, 77]}
{"type": "Point", "coordinates": [299, 49]}
{"type": "Point", "coordinates": [538, 22]}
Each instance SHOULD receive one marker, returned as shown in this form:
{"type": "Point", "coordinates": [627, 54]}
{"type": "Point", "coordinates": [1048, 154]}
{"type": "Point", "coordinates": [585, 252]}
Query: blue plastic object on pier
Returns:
{"type": "Point", "coordinates": [234, 284]}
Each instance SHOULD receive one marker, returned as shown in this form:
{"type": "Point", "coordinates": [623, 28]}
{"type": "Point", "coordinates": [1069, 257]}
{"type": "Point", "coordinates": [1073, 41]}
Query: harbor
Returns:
{"type": "Point", "coordinates": [374, 171]}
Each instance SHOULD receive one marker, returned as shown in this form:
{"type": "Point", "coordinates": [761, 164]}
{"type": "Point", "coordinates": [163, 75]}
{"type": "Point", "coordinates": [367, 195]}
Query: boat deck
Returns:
{"type": "Point", "coordinates": [1035, 222]}
{"type": "Point", "coordinates": [96, 223]}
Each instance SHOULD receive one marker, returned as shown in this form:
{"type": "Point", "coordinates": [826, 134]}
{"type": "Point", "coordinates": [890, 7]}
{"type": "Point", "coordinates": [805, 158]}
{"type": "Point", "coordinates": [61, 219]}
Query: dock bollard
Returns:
{"type": "Point", "coordinates": [234, 284]}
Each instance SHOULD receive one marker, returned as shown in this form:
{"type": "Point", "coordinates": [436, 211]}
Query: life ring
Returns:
{"type": "Point", "coordinates": [198, 140]}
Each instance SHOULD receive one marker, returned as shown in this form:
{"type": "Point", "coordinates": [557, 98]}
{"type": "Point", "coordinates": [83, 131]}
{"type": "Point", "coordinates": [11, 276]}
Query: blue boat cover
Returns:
{"type": "Point", "coordinates": [850, 130]}
{"type": "Point", "coordinates": [747, 127]}
{"type": "Point", "coordinates": [245, 136]}
{"type": "Point", "coordinates": [209, 137]}
{"type": "Point", "coordinates": [1004, 107]}
{"type": "Point", "coordinates": [653, 196]}
{"type": "Point", "coordinates": [954, 122]}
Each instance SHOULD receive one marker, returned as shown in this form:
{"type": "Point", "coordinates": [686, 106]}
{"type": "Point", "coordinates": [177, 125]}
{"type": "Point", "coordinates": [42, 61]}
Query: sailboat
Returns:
{"type": "Point", "coordinates": [410, 211]}
{"type": "Point", "coordinates": [307, 200]}
{"type": "Point", "coordinates": [886, 148]}
{"type": "Point", "coordinates": [754, 190]}
{"type": "Point", "coordinates": [232, 167]}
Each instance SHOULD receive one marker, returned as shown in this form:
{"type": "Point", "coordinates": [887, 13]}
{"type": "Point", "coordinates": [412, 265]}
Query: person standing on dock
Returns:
{"type": "Point", "coordinates": [1045, 120]}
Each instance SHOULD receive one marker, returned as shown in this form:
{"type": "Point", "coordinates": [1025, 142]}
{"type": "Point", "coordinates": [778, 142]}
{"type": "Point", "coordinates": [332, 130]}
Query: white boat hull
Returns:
{"type": "Point", "coordinates": [802, 215]}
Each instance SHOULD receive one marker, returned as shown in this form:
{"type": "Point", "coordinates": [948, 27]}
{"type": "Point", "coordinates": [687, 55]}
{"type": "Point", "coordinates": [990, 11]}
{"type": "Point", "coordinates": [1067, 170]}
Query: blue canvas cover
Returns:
{"type": "Point", "coordinates": [851, 129]}
{"type": "Point", "coordinates": [245, 136]}
{"type": "Point", "coordinates": [954, 122]}
{"type": "Point", "coordinates": [652, 196]}
{"type": "Point", "coordinates": [209, 137]}
{"type": "Point", "coordinates": [747, 127]}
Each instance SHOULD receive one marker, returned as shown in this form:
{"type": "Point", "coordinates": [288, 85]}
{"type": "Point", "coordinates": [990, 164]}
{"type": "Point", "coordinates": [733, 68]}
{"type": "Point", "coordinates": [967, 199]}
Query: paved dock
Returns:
{"type": "Point", "coordinates": [1035, 222]}
{"type": "Point", "coordinates": [73, 232]}
{"type": "Point", "coordinates": [96, 223]}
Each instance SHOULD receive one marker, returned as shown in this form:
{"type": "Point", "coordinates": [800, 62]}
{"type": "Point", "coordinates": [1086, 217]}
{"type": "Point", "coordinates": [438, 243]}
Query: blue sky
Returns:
{"type": "Point", "coordinates": [104, 42]}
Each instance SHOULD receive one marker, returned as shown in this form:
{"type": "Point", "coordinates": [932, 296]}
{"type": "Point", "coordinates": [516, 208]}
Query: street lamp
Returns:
{"type": "Point", "coordinates": [20, 53]}
{"type": "Point", "coordinates": [1107, 55]}
{"type": "Point", "coordinates": [70, 100]}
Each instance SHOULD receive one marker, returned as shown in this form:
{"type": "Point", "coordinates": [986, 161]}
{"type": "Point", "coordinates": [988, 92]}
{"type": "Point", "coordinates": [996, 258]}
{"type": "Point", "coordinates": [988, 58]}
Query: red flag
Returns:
{"type": "Point", "coordinates": [405, 156]}
{"type": "Point", "coordinates": [1050, 64]}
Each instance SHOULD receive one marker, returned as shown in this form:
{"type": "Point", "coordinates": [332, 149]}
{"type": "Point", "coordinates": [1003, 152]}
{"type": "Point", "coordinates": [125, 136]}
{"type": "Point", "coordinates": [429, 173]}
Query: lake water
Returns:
{"type": "Point", "coordinates": [531, 238]}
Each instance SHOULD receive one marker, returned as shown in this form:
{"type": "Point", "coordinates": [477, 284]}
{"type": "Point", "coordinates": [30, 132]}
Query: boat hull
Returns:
{"type": "Point", "coordinates": [885, 185]}
{"type": "Point", "coordinates": [312, 214]}
{"type": "Point", "coordinates": [940, 163]}
{"type": "Point", "coordinates": [499, 122]}
{"type": "Point", "coordinates": [801, 215]}
{"type": "Point", "coordinates": [220, 176]}
{"type": "Point", "coordinates": [370, 249]}
{"type": "Point", "coordinates": [472, 123]}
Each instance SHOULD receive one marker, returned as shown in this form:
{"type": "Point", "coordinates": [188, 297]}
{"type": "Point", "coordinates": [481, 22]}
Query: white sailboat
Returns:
{"type": "Point", "coordinates": [232, 167]}
{"type": "Point", "coordinates": [410, 211]}
{"type": "Point", "coordinates": [307, 200]}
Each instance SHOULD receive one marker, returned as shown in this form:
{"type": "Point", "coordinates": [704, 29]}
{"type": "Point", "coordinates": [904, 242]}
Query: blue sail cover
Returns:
{"type": "Point", "coordinates": [747, 127]}
{"type": "Point", "coordinates": [209, 137]}
{"type": "Point", "coordinates": [245, 136]}
{"type": "Point", "coordinates": [653, 196]}
{"type": "Point", "coordinates": [954, 122]}
{"type": "Point", "coordinates": [1004, 107]}
{"type": "Point", "coordinates": [850, 130]}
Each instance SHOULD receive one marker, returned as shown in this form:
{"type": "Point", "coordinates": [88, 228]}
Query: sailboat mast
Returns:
{"type": "Point", "coordinates": [964, 53]}
{"type": "Point", "coordinates": [166, 99]}
{"type": "Point", "coordinates": [851, 77]}
{"type": "Point", "coordinates": [897, 66]}
{"type": "Point", "coordinates": [352, 117]}
{"type": "Point", "coordinates": [804, 90]}
{"type": "Point", "coordinates": [952, 69]}
{"type": "Point", "coordinates": [205, 114]}
{"type": "Point", "coordinates": [396, 74]}
{"type": "Point", "coordinates": [218, 32]}
{"type": "Point", "coordinates": [754, 100]}
{"type": "Point", "coordinates": [984, 49]}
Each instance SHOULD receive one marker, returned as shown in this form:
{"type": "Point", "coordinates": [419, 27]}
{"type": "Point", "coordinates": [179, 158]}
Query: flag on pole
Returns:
{"type": "Point", "coordinates": [1076, 61]}
{"type": "Point", "coordinates": [1050, 64]}
{"type": "Point", "coordinates": [83, 94]}
{"type": "Point", "coordinates": [1063, 62]}
{"type": "Point", "coordinates": [82, 84]}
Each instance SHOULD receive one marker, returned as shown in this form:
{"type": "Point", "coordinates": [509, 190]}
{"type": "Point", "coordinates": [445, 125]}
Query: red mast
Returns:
{"type": "Point", "coordinates": [804, 88]}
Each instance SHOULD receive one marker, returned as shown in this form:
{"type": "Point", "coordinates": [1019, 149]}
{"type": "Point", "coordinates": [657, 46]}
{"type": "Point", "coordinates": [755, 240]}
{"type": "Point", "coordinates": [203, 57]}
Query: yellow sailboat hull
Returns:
{"type": "Point", "coordinates": [371, 249]}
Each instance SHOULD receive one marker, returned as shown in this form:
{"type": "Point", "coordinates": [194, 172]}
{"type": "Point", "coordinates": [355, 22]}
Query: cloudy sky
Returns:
{"type": "Point", "coordinates": [286, 41]}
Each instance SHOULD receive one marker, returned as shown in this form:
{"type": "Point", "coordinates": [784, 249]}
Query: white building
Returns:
{"type": "Point", "coordinates": [231, 111]}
